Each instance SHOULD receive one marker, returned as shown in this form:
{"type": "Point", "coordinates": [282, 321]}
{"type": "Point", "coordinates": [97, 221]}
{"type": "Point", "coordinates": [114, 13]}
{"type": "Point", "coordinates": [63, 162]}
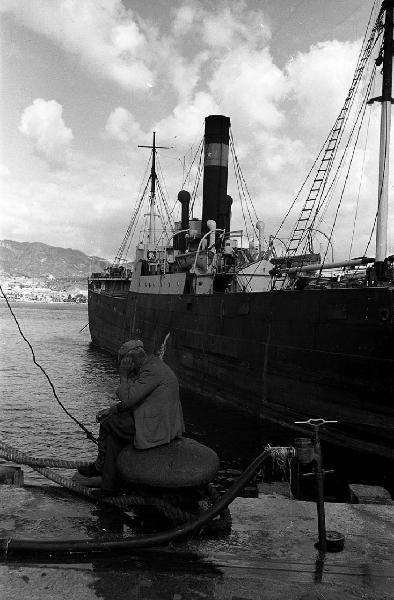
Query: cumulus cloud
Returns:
{"type": "Point", "coordinates": [4, 171]}
{"type": "Point", "coordinates": [212, 59]}
{"type": "Point", "coordinates": [183, 19]}
{"type": "Point", "coordinates": [317, 83]}
{"type": "Point", "coordinates": [103, 33]}
{"type": "Point", "coordinates": [235, 25]}
{"type": "Point", "coordinates": [122, 126]}
{"type": "Point", "coordinates": [43, 124]}
{"type": "Point", "coordinates": [248, 84]}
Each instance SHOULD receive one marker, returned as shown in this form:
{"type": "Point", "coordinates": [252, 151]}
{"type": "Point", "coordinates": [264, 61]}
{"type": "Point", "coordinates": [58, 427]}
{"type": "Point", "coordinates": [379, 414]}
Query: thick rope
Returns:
{"type": "Point", "coordinates": [41, 465]}
{"type": "Point", "coordinates": [18, 456]}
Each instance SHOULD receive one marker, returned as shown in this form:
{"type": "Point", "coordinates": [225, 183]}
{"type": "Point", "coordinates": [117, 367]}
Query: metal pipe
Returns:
{"type": "Point", "coordinates": [318, 266]}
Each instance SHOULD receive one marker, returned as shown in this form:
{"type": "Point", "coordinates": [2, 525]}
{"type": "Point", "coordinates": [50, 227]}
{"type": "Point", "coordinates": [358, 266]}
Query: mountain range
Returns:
{"type": "Point", "coordinates": [34, 259]}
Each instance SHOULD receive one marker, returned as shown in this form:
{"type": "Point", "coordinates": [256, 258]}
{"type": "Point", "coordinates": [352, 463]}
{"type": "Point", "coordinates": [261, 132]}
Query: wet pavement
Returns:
{"type": "Point", "coordinates": [269, 553]}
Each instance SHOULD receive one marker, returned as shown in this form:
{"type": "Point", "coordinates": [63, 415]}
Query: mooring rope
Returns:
{"type": "Point", "coordinates": [88, 433]}
{"type": "Point", "coordinates": [41, 464]}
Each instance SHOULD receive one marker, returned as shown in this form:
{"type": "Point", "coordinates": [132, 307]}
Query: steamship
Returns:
{"type": "Point", "coordinates": [288, 337]}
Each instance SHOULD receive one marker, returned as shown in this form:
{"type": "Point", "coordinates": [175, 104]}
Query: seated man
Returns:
{"type": "Point", "coordinates": [148, 413]}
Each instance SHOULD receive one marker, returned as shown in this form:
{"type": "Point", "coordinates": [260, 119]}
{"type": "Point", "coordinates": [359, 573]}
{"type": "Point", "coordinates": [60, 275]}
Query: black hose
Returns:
{"type": "Point", "coordinates": [144, 541]}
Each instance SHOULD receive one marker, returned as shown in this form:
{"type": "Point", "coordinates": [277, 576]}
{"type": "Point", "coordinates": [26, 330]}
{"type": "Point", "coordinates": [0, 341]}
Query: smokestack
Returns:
{"type": "Point", "coordinates": [184, 199]}
{"type": "Point", "coordinates": [215, 169]}
{"type": "Point", "coordinates": [224, 218]}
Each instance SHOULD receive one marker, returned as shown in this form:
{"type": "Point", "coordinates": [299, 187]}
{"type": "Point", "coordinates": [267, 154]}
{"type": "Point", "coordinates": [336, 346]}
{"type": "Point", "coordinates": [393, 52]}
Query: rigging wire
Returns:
{"type": "Point", "coordinates": [326, 200]}
{"type": "Point", "coordinates": [200, 167]}
{"type": "Point", "coordinates": [362, 113]}
{"type": "Point", "coordinates": [359, 186]}
{"type": "Point", "coordinates": [239, 193]}
{"type": "Point", "coordinates": [244, 184]}
{"type": "Point", "coordinates": [88, 433]}
{"type": "Point", "coordinates": [337, 131]}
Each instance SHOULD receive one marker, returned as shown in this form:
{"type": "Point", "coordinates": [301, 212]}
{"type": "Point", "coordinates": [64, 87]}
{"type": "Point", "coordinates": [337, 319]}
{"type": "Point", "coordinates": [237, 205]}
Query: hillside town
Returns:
{"type": "Point", "coordinates": [25, 289]}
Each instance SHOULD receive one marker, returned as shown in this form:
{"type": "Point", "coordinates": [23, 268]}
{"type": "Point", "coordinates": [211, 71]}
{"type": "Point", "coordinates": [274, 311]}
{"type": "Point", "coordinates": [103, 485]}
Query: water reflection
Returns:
{"type": "Point", "coordinates": [159, 577]}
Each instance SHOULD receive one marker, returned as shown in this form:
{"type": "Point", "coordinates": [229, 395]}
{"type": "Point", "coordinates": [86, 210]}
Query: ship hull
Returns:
{"type": "Point", "coordinates": [285, 356]}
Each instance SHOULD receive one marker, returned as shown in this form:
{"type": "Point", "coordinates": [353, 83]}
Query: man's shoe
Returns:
{"type": "Point", "coordinates": [89, 470]}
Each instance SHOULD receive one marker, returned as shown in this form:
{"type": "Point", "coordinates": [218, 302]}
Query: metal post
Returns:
{"type": "Point", "coordinates": [319, 472]}
{"type": "Point", "coordinates": [385, 123]}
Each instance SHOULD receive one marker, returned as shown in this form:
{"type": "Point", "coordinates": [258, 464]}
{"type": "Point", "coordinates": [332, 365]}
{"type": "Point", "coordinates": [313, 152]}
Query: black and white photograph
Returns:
{"type": "Point", "coordinates": [196, 300]}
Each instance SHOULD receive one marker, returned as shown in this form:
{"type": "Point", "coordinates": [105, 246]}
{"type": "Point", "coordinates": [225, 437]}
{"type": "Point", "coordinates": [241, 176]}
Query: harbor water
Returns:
{"type": "Point", "coordinates": [85, 379]}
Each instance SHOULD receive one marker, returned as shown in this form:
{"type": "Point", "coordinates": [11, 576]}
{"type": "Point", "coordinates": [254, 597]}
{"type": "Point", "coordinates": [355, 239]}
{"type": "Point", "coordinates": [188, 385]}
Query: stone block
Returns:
{"type": "Point", "coordinates": [369, 494]}
{"type": "Point", "coordinates": [10, 475]}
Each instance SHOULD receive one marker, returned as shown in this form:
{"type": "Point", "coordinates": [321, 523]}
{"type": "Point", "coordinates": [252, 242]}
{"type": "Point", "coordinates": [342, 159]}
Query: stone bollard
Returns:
{"type": "Point", "coordinates": [11, 476]}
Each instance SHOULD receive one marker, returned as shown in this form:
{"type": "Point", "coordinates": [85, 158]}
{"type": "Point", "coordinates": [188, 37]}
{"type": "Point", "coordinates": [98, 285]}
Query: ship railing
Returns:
{"type": "Point", "coordinates": [199, 248]}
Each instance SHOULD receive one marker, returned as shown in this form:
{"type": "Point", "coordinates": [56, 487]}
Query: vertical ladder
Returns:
{"type": "Point", "coordinates": [309, 209]}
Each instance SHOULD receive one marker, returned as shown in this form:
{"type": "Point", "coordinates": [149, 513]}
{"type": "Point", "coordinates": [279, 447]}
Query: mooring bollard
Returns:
{"type": "Point", "coordinates": [306, 452]}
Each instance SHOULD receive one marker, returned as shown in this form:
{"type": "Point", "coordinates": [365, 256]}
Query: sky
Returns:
{"type": "Point", "coordinates": [84, 82]}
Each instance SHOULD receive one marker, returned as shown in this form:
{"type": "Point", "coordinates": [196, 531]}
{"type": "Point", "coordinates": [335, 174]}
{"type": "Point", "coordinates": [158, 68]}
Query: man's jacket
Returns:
{"type": "Point", "coordinates": [154, 398]}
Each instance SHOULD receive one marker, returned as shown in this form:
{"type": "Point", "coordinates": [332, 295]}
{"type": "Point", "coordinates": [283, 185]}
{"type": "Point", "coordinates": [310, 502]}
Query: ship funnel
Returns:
{"type": "Point", "coordinates": [215, 169]}
{"type": "Point", "coordinates": [224, 217]}
{"type": "Point", "coordinates": [260, 228]}
{"type": "Point", "coordinates": [184, 199]}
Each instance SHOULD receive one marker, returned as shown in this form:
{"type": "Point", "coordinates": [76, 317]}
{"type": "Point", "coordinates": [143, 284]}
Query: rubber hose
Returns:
{"type": "Point", "coordinates": [143, 541]}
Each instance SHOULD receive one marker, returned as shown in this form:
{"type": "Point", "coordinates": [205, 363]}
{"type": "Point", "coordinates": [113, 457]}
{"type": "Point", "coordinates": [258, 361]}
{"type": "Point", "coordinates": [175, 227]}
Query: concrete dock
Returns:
{"type": "Point", "coordinates": [269, 553]}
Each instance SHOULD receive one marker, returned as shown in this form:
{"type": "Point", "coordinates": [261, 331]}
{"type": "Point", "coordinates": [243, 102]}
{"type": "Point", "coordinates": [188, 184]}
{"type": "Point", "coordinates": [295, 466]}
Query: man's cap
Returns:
{"type": "Point", "coordinates": [130, 345]}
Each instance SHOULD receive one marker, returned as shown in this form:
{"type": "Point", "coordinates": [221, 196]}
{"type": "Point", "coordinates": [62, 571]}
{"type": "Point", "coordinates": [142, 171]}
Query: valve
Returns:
{"type": "Point", "coordinates": [308, 452]}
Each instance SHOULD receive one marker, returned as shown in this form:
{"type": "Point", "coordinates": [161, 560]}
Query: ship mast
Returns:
{"type": "Point", "coordinates": [385, 125]}
{"type": "Point", "coordinates": [152, 200]}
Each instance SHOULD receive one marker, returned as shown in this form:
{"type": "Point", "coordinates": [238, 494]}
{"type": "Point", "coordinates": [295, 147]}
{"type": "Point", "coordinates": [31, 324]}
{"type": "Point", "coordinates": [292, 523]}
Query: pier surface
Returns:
{"type": "Point", "coordinates": [269, 554]}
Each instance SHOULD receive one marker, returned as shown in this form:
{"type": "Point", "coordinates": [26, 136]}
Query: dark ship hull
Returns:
{"type": "Point", "coordinates": [284, 355]}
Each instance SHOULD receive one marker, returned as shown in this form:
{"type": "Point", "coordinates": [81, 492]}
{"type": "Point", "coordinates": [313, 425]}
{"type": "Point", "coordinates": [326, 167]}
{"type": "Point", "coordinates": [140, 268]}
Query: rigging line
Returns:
{"type": "Point", "coordinates": [243, 178]}
{"type": "Point", "coordinates": [339, 169]}
{"type": "Point", "coordinates": [364, 55]}
{"type": "Point", "coordinates": [302, 187]}
{"type": "Point", "coordinates": [359, 186]}
{"type": "Point", "coordinates": [343, 190]}
{"type": "Point", "coordinates": [88, 433]}
{"type": "Point", "coordinates": [379, 192]}
{"type": "Point", "coordinates": [324, 199]}
{"type": "Point", "coordinates": [133, 214]}
{"type": "Point", "coordinates": [164, 195]}
{"type": "Point", "coordinates": [239, 194]}
{"type": "Point", "coordinates": [238, 171]}
{"type": "Point", "coordinates": [329, 192]}
{"type": "Point", "coordinates": [165, 223]}
{"type": "Point", "coordinates": [196, 183]}
{"type": "Point", "coordinates": [200, 145]}
{"type": "Point", "coordinates": [131, 226]}
{"type": "Point", "coordinates": [361, 112]}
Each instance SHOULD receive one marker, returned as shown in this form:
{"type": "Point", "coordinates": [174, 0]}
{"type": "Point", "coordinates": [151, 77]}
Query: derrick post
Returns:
{"type": "Point", "coordinates": [385, 126]}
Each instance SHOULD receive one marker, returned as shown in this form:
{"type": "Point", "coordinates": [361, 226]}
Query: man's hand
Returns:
{"type": "Point", "coordinates": [105, 412]}
{"type": "Point", "coordinates": [126, 366]}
